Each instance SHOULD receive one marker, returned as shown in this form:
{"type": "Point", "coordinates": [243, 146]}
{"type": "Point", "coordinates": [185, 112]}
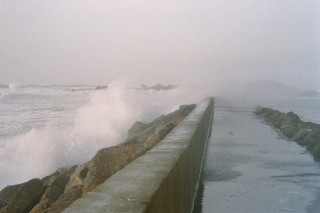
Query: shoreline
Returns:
{"type": "Point", "coordinates": [306, 134]}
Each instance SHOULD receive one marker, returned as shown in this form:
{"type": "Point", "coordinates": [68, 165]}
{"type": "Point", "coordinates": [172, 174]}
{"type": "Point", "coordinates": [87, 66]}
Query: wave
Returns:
{"type": "Point", "coordinates": [102, 122]}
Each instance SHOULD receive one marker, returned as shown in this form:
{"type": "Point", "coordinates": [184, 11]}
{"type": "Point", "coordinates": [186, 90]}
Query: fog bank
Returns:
{"type": "Point", "coordinates": [96, 41]}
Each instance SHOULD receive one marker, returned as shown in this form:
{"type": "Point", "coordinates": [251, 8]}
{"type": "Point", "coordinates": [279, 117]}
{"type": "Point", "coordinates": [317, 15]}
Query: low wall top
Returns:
{"type": "Point", "coordinates": [132, 188]}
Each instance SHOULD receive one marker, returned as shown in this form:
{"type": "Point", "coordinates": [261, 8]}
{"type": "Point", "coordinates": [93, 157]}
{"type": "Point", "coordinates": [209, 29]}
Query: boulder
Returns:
{"type": "Point", "coordinates": [65, 172]}
{"type": "Point", "coordinates": [135, 129]}
{"type": "Point", "coordinates": [46, 179]}
{"type": "Point", "coordinates": [316, 152]}
{"type": "Point", "coordinates": [108, 161]}
{"type": "Point", "coordinates": [7, 193]}
{"type": "Point", "coordinates": [42, 206]}
{"type": "Point", "coordinates": [289, 130]}
{"type": "Point", "coordinates": [2, 204]}
{"type": "Point", "coordinates": [78, 176]}
{"type": "Point", "coordinates": [300, 135]}
{"type": "Point", "coordinates": [52, 193]}
{"type": "Point", "coordinates": [60, 180]}
{"type": "Point", "coordinates": [26, 197]}
{"type": "Point", "coordinates": [312, 139]}
{"type": "Point", "coordinates": [292, 118]}
{"type": "Point", "coordinates": [65, 200]}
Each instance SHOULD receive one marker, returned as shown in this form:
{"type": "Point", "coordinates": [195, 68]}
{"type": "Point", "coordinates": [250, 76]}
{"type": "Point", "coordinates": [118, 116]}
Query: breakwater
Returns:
{"type": "Point", "coordinates": [59, 190]}
{"type": "Point", "coordinates": [251, 167]}
{"type": "Point", "coordinates": [304, 133]}
{"type": "Point", "coordinates": [164, 179]}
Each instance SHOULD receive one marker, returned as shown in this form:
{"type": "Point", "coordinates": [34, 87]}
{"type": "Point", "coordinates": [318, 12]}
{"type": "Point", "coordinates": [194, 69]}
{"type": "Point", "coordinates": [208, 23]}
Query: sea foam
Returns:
{"type": "Point", "coordinates": [102, 122]}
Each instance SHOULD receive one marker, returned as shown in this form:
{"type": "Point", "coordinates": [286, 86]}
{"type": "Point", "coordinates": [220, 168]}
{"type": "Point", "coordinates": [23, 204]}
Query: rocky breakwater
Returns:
{"type": "Point", "coordinates": [57, 191]}
{"type": "Point", "coordinates": [304, 133]}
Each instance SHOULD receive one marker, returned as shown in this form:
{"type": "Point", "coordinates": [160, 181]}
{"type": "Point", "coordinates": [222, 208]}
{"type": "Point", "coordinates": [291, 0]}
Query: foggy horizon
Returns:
{"type": "Point", "coordinates": [169, 42]}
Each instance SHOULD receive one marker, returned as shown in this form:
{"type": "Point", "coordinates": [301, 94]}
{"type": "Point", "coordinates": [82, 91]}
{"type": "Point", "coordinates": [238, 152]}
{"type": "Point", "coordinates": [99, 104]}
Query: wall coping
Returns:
{"type": "Point", "coordinates": [132, 188]}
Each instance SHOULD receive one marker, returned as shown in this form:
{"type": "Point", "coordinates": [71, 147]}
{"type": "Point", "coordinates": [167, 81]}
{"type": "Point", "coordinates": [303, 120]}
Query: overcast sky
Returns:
{"type": "Point", "coordinates": [166, 41]}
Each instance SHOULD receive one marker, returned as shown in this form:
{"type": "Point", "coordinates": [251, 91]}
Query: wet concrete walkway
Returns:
{"type": "Point", "coordinates": [249, 167]}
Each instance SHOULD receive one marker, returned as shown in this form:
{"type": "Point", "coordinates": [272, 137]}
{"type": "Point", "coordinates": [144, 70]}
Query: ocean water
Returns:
{"type": "Point", "coordinates": [43, 128]}
{"type": "Point", "coordinates": [308, 108]}
{"type": "Point", "coordinates": [23, 108]}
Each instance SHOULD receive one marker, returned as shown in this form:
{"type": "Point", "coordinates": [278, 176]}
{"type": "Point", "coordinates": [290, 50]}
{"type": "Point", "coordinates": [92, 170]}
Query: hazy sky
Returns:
{"type": "Point", "coordinates": [166, 41]}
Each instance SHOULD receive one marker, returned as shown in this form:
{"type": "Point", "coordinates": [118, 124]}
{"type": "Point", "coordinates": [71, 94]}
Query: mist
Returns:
{"type": "Point", "coordinates": [101, 122]}
{"type": "Point", "coordinates": [177, 42]}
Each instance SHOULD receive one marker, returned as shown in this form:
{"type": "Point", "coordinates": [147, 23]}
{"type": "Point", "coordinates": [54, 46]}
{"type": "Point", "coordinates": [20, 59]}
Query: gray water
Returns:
{"type": "Point", "coordinates": [251, 167]}
{"type": "Point", "coordinates": [43, 128]}
{"type": "Point", "coordinates": [27, 107]}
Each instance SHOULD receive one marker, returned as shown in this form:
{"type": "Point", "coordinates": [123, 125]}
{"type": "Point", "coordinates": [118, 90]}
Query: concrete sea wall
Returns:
{"type": "Point", "coordinates": [164, 179]}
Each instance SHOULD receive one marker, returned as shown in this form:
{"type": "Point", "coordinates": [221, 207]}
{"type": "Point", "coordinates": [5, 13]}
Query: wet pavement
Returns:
{"type": "Point", "coordinates": [251, 167]}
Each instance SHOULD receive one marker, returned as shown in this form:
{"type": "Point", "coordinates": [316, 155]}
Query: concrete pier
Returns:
{"type": "Point", "coordinates": [252, 167]}
{"type": "Point", "coordinates": [164, 179]}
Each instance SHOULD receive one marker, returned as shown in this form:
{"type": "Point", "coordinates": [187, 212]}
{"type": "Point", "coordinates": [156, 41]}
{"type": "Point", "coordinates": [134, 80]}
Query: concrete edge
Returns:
{"type": "Point", "coordinates": [139, 185]}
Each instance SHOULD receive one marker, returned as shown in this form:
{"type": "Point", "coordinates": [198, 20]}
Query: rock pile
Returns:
{"type": "Point", "coordinates": [57, 191]}
{"type": "Point", "coordinates": [304, 133]}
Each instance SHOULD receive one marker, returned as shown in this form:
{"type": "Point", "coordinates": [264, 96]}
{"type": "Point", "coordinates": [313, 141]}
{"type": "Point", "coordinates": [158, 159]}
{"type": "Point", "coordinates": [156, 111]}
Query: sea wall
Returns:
{"type": "Point", "coordinates": [59, 190]}
{"type": "Point", "coordinates": [304, 133]}
{"type": "Point", "coordinates": [164, 179]}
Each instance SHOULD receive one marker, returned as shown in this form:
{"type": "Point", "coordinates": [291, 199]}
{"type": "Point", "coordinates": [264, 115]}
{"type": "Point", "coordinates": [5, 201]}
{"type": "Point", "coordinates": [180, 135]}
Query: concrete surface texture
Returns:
{"type": "Point", "coordinates": [252, 167]}
{"type": "Point", "coordinates": [164, 179]}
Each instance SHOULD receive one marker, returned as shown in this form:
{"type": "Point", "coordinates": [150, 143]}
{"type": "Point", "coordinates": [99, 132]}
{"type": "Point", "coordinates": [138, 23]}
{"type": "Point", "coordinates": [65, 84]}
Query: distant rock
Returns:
{"type": "Point", "coordinates": [101, 87]}
{"type": "Point", "coordinates": [156, 87]}
{"type": "Point", "coordinates": [304, 133]}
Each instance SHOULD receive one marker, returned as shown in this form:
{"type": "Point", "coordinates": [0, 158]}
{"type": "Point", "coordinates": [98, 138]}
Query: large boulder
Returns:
{"type": "Point", "coordinates": [52, 193]}
{"type": "Point", "coordinates": [25, 197]}
{"type": "Point", "coordinates": [78, 176]}
{"type": "Point", "coordinates": [135, 129]}
{"type": "Point", "coordinates": [312, 139]}
{"type": "Point", "coordinates": [300, 135]}
{"type": "Point", "coordinates": [59, 174]}
{"type": "Point", "coordinates": [2, 204]}
{"type": "Point", "coordinates": [65, 200]}
{"type": "Point", "coordinates": [316, 152]}
{"type": "Point", "coordinates": [292, 119]}
{"type": "Point", "coordinates": [54, 184]}
{"type": "Point", "coordinates": [289, 130]}
{"type": "Point", "coordinates": [108, 161]}
{"type": "Point", "coordinates": [7, 193]}
{"type": "Point", "coordinates": [42, 206]}
{"type": "Point", "coordinates": [59, 181]}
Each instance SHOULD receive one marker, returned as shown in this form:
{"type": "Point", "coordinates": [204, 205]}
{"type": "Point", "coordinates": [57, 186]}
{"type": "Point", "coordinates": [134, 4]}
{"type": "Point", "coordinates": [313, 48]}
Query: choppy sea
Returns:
{"type": "Point", "coordinates": [43, 127]}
